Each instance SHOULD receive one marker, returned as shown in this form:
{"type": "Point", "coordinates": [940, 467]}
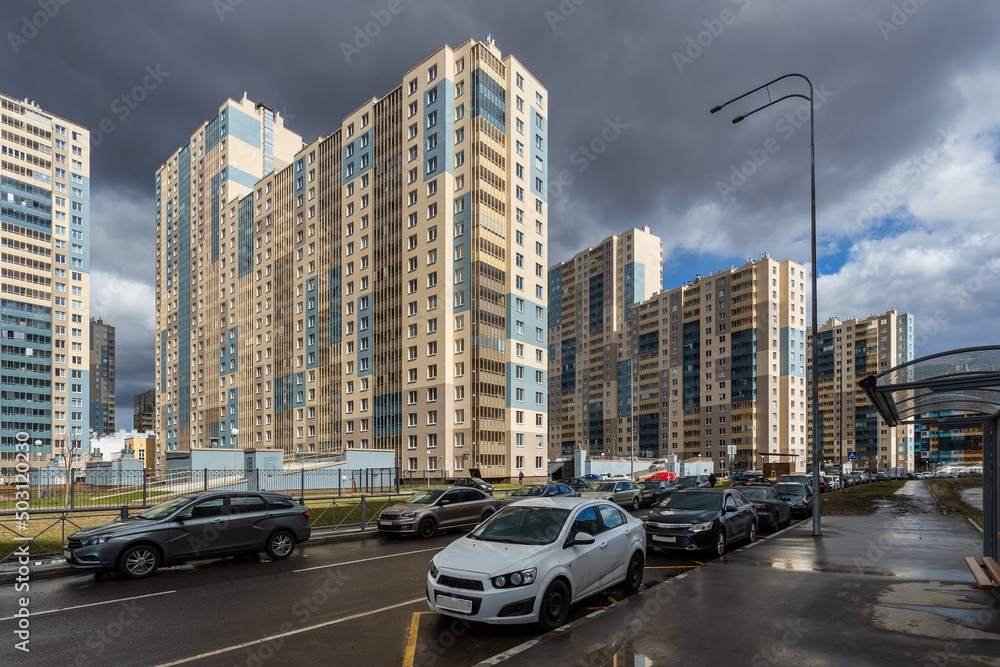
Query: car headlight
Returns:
{"type": "Point", "coordinates": [408, 515]}
{"type": "Point", "coordinates": [97, 539]}
{"type": "Point", "coordinates": [519, 578]}
{"type": "Point", "coordinates": [433, 570]}
{"type": "Point", "coordinates": [698, 527]}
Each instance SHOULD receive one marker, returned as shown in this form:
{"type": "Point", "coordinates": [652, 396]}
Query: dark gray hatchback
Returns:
{"type": "Point", "coordinates": [193, 526]}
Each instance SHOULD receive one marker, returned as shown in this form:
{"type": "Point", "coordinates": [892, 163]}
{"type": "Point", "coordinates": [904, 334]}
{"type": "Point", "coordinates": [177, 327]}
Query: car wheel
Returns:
{"type": "Point", "coordinates": [633, 575]}
{"type": "Point", "coordinates": [427, 528]}
{"type": "Point", "coordinates": [139, 561]}
{"type": "Point", "coordinates": [555, 606]}
{"type": "Point", "coordinates": [487, 514]}
{"type": "Point", "coordinates": [280, 545]}
{"type": "Point", "coordinates": [635, 503]}
{"type": "Point", "coordinates": [720, 542]}
{"type": "Point", "coordinates": [753, 532]}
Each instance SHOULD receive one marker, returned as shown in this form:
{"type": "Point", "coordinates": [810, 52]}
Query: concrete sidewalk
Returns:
{"type": "Point", "coordinates": [886, 589]}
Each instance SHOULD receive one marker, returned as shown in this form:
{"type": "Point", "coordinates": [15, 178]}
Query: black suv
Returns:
{"type": "Point", "coordinates": [475, 483]}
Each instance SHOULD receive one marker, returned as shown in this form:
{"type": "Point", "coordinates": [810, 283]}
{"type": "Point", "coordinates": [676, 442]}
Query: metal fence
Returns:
{"type": "Point", "coordinates": [48, 490]}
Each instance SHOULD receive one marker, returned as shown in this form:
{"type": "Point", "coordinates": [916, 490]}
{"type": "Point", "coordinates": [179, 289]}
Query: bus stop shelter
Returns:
{"type": "Point", "coordinates": [965, 381]}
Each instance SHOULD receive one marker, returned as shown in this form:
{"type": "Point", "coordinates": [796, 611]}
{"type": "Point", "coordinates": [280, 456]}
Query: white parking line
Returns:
{"type": "Point", "coordinates": [92, 604]}
{"type": "Point", "coordinates": [289, 633]}
{"type": "Point", "coordinates": [365, 560]}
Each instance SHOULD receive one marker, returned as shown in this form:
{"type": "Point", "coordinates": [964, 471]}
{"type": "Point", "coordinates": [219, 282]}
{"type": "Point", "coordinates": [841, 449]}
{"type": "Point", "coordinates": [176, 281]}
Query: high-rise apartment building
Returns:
{"type": "Point", "coordinates": [144, 411]}
{"type": "Point", "coordinates": [939, 443]}
{"type": "Point", "coordinates": [45, 283]}
{"type": "Point", "coordinates": [849, 351]}
{"type": "Point", "coordinates": [714, 368]}
{"type": "Point", "coordinates": [379, 288]}
{"type": "Point", "coordinates": [102, 377]}
{"type": "Point", "coordinates": [592, 300]}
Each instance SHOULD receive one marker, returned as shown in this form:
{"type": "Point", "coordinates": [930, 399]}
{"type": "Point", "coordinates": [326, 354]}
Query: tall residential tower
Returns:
{"type": "Point", "coordinates": [102, 377]}
{"type": "Point", "coordinates": [379, 288]}
{"type": "Point", "coordinates": [45, 283]}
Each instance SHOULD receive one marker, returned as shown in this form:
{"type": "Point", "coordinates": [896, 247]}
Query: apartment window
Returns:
{"type": "Point", "coordinates": [432, 73]}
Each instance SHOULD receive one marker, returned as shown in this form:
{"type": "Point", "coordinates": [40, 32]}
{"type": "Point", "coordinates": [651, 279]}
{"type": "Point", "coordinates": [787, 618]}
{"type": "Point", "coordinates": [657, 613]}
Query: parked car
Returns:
{"type": "Point", "coordinates": [193, 526]}
{"type": "Point", "coordinates": [881, 476]}
{"type": "Point", "coordinates": [426, 512]}
{"type": "Point", "coordinates": [797, 495]}
{"type": "Point", "coordinates": [662, 476]}
{"type": "Point", "coordinates": [577, 483]}
{"type": "Point", "coordinates": [693, 482]}
{"type": "Point", "coordinates": [805, 480]}
{"type": "Point", "coordinates": [746, 477]}
{"type": "Point", "coordinates": [535, 558]}
{"type": "Point", "coordinates": [773, 511]}
{"type": "Point", "coordinates": [592, 477]}
{"type": "Point", "coordinates": [475, 483]}
{"type": "Point", "coordinates": [626, 494]}
{"type": "Point", "coordinates": [701, 519]}
{"type": "Point", "coordinates": [540, 491]}
{"type": "Point", "coordinates": [654, 492]}
{"type": "Point", "coordinates": [619, 476]}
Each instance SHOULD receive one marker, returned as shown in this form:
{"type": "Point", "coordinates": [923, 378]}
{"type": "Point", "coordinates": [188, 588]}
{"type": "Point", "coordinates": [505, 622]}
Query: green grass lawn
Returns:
{"type": "Point", "coordinates": [858, 500]}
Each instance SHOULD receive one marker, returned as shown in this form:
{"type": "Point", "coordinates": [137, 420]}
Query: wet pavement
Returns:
{"type": "Point", "coordinates": [886, 589]}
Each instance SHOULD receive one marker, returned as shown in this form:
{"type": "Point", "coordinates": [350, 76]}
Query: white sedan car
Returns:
{"type": "Point", "coordinates": [531, 560]}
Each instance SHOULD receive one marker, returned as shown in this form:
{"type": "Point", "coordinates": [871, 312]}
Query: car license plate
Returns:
{"type": "Point", "coordinates": [67, 554]}
{"type": "Point", "coordinates": [663, 538]}
{"type": "Point", "coordinates": [454, 604]}
{"type": "Point", "coordinates": [385, 523]}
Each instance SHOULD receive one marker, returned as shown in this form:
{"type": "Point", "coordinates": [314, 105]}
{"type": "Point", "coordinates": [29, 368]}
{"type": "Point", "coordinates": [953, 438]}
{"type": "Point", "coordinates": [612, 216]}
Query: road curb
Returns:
{"type": "Point", "coordinates": [49, 569]}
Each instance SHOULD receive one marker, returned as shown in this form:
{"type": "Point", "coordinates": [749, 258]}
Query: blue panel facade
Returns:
{"type": "Point", "coordinates": [231, 173]}
{"type": "Point", "coordinates": [212, 134]}
{"type": "Point", "coordinates": [26, 376]}
{"type": "Point", "coordinates": [743, 381]}
{"type": "Point", "coordinates": [567, 365]}
{"type": "Point", "coordinates": [214, 212]}
{"type": "Point", "coordinates": [283, 387]}
{"type": "Point", "coordinates": [523, 324]}
{"type": "Point", "coordinates": [364, 310]}
{"type": "Point", "coordinates": [312, 315]}
{"type": "Point", "coordinates": [555, 296]}
{"type": "Point", "coordinates": [388, 414]}
{"type": "Point", "coordinates": [489, 99]}
{"type": "Point", "coordinates": [595, 428]}
{"type": "Point", "coordinates": [691, 360]}
{"type": "Point", "coordinates": [357, 156]}
{"type": "Point", "coordinates": [25, 204]}
{"type": "Point", "coordinates": [624, 402]}
{"type": "Point", "coordinates": [241, 126]}
{"type": "Point", "coordinates": [529, 386]}
{"type": "Point", "coordinates": [228, 352]}
{"type": "Point", "coordinates": [462, 266]}
{"type": "Point", "coordinates": [635, 286]}
{"type": "Point", "coordinates": [438, 139]}
{"type": "Point", "coordinates": [539, 150]}
{"type": "Point", "coordinates": [793, 352]}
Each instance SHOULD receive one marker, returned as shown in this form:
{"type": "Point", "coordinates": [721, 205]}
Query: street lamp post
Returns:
{"type": "Point", "coordinates": [815, 268]}
{"type": "Point", "coordinates": [234, 432]}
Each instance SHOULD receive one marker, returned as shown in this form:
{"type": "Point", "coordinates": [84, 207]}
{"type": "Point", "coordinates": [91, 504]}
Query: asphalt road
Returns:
{"type": "Point", "coordinates": [342, 603]}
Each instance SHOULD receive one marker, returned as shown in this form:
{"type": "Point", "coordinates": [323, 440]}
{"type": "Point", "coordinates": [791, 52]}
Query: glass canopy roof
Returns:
{"type": "Point", "coordinates": [963, 380]}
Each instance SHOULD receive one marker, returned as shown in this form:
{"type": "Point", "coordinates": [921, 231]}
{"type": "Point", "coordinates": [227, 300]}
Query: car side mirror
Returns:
{"type": "Point", "coordinates": [183, 516]}
{"type": "Point", "coordinates": [580, 538]}
{"type": "Point", "coordinates": [445, 502]}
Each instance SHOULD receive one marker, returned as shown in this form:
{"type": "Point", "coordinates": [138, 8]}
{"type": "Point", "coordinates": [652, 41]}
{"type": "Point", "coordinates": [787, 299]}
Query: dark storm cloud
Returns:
{"type": "Point", "coordinates": [888, 70]}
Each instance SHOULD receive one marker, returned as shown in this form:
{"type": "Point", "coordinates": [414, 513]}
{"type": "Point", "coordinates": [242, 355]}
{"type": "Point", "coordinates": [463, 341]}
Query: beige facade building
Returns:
{"type": "Point", "coordinates": [714, 368]}
{"type": "Point", "coordinates": [45, 284]}
{"type": "Point", "coordinates": [851, 350]}
{"type": "Point", "coordinates": [379, 288]}
{"type": "Point", "coordinates": [593, 300]}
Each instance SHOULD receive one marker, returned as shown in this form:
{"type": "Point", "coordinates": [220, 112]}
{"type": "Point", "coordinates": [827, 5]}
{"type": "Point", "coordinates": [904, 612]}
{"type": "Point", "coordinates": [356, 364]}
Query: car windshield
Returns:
{"type": "Point", "coordinates": [165, 509]}
{"type": "Point", "coordinates": [791, 489]}
{"type": "Point", "coordinates": [516, 524]}
{"type": "Point", "coordinates": [686, 481]}
{"type": "Point", "coordinates": [648, 485]}
{"type": "Point", "coordinates": [754, 492]}
{"type": "Point", "coordinates": [425, 497]}
{"type": "Point", "coordinates": [692, 501]}
{"type": "Point", "coordinates": [529, 491]}
{"type": "Point", "coordinates": [603, 487]}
